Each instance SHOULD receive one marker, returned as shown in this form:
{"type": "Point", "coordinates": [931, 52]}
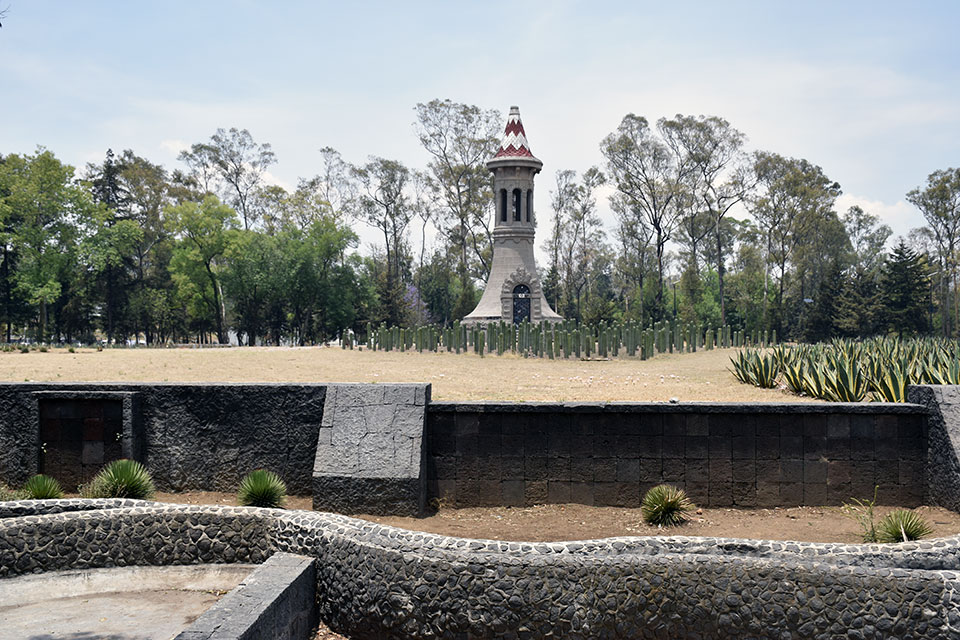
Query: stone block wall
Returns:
{"type": "Point", "coordinates": [190, 436]}
{"type": "Point", "coordinates": [369, 455]}
{"type": "Point", "coordinates": [751, 455]}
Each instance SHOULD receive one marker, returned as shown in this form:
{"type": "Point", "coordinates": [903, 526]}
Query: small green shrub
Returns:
{"type": "Point", "coordinates": [71, 350]}
{"type": "Point", "coordinates": [6, 493]}
{"type": "Point", "coordinates": [665, 505]}
{"type": "Point", "coordinates": [24, 349]}
{"type": "Point", "coordinates": [41, 487]}
{"type": "Point", "coordinates": [262, 488]}
{"type": "Point", "coordinates": [120, 479]}
{"type": "Point", "coordinates": [902, 525]}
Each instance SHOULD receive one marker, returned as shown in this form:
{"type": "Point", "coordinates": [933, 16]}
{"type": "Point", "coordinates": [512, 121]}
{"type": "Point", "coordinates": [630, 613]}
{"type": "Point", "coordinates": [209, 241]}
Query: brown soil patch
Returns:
{"type": "Point", "coordinates": [558, 522]}
{"type": "Point", "coordinates": [701, 376]}
{"type": "Point", "coordinates": [554, 523]}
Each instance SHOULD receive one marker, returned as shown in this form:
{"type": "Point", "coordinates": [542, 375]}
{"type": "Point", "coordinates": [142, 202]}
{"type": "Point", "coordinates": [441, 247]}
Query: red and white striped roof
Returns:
{"type": "Point", "coordinates": [514, 143]}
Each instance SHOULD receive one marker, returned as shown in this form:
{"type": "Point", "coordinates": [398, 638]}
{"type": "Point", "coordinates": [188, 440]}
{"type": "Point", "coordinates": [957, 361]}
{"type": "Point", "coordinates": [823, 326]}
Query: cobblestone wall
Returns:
{"type": "Point", "coordinates": [380, 582]}
{"type": "Point", "coordinates": [722, 454]}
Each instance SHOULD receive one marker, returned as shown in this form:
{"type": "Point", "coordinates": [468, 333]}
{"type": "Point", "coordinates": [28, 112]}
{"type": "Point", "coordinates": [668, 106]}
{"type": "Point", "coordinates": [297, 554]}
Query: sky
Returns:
{"type": "Point", "coordinates": [870, 91]}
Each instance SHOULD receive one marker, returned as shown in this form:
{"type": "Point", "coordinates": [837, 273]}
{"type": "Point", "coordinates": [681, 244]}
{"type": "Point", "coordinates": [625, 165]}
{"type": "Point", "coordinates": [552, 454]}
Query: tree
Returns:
{"type": "Point", "coordinates": [48, 207]}
{"type": "Point", "coordinates": [650, 178]}
{"type": "Point", "coordinates": [203, 231]}
{"type": "Point", "coordinates": [460, 138]}
{"type": "Point", "coordinates": [723, 174]}
{"type": "Point", "coordinates": [794, 198]}
{"type": "Point", "coordinates": [233, 159]}
{"type": "Point", "coordinates": [384, 205]}
{"type": "Point", "coordinates": [939, 202]}
{"type": "Point", "coordinates": [867, 238]}
{"type": "Point", "coordinates": [906, 290]}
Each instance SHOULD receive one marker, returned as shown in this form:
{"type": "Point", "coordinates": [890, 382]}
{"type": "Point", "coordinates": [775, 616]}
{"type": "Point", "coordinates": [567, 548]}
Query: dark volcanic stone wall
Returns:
{"type": "Point", "coordinates": [378, 582]}
{"type": "Point", "coordinates": [190, 436]}
{"type": "Point", "coordinates": [751, 455]}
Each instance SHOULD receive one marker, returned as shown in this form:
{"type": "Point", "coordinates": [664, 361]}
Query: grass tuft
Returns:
{"type": "Point", "coordinates": [665, 506]}
{"type": "Point", "coordinates": [41, 487]}
{"type": "Point", "coordinates": [902, 525]}
{"type": "Point", "coordinates": [120, 479]}
{"type": "Point", "coordinates": [262, 488]}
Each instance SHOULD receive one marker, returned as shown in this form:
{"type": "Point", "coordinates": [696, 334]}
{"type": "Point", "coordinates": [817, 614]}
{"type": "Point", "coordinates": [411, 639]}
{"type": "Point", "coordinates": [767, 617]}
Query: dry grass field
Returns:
{"type": "Point", "coordinates": [701, 376]}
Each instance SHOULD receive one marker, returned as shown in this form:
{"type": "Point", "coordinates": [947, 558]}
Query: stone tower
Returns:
{"type": "Point", "coordinates": [513, 292]}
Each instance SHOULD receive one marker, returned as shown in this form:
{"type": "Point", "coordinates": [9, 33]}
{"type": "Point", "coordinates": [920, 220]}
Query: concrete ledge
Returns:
{"type": "Point", "coordinates": [275, 602]}
{"type": "Point", "coordinates": [869, 408]}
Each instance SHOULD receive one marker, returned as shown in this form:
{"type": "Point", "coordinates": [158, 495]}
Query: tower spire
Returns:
{"type": "Point", "coordinates": [514, 142]}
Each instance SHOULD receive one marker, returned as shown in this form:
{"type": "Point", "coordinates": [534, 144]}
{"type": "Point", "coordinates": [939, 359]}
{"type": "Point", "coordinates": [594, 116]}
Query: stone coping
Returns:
{"type": "Point", "coordinates": [377, 581]}
{"type": "Point", "coordinates": [870, 408]}
{"type": "Point", "coordinates": [277, 600]}
{"type": "Point", "coordinates": [928, 554]}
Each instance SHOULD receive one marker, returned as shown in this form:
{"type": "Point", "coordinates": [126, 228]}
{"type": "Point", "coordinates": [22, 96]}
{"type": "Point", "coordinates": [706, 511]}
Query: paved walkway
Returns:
{"type": "Point", "coordinates": [124, 603]}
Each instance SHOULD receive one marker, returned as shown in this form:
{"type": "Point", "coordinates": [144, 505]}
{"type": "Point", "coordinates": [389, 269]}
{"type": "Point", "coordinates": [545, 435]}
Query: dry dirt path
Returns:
{"type": "Point", "coordinates": [701, 376]}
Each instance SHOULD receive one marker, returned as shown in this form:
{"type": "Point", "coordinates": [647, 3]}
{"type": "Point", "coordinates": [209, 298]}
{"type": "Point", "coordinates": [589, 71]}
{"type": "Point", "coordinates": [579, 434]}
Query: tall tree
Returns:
{"type": "Point", "coordinates": [233, 164]}
{"type": "Point", "coordinates": [651, 178]}
{"type": "Point", "coordinates": [939, 202]}
{"type": "Point", "coordinates": [203, 231]}
{"type": "Point", "coordinates": [384, 205]}
{"type": "Point", "coordinates": [460, 138]}
{"type": "Point", "coordinates": [723, 173]}
{"type": "Point", "coordinates": [906, 291]}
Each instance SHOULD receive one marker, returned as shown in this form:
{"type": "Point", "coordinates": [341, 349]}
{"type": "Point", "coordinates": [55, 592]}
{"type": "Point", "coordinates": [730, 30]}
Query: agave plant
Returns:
{"type": "Point", "coordinates": [902, 526]}
{"type": "Point", "coordinates": [120, 479]}
{"type": "Point", "coordinates": [262, 488]}
{"type": "Point", "coordinates": [665, 505]}
{"type": "Point", "coordinates": [41, 487]}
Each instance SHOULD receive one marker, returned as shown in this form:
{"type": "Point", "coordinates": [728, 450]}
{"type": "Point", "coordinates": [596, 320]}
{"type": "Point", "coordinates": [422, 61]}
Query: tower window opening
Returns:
{"type": "Point", "coordinates": [517, 200]}
{"type": "Point", "coordinates": [503, 205]}
{"type": "Point", "coordinates": [529, 204]}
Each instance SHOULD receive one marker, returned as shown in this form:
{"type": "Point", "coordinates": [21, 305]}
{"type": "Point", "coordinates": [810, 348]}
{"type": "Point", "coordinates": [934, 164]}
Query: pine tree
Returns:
{"type": "Point", "coordinates": [858, 310]}
{"type": "Point", "coordinates": [906, 291]}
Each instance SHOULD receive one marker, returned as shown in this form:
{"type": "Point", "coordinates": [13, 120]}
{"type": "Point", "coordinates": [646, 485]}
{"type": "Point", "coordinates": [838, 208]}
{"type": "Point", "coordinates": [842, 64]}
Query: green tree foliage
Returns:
{"type": "Point", "coordinates": [906, 292]}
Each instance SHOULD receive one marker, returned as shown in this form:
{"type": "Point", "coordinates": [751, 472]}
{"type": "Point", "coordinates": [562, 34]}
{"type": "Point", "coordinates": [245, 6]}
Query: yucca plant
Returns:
{"type": "Point", "coordinates": [889, 382]}
{"type": "Point", "coordinates": [262, 488]}
{"type": "Point", "coordinates": [902, 525]}
{"type": "Point", "coordinates": [120, 479]}
{"type": "Point", "coordinates": [41, 487]}
{"type": "Point", "coordinates": [742, 367]}
{"type": "Point", "coordinates": [665, 506]}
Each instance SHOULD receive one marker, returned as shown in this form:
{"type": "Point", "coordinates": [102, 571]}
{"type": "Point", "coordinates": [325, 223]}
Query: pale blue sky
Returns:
{"type": "Point", "coordinates": [868, 90]}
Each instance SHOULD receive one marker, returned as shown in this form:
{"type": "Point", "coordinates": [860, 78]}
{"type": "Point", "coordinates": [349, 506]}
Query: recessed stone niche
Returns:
{"type": "Point", "coordinates": [79, 432]}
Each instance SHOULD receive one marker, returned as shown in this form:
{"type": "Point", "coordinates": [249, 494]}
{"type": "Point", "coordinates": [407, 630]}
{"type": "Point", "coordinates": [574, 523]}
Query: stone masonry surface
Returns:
{"type": "Point", "coordinates": [943, 466]}
{"type": "Point", "coordinates": [194, 436]}
{"type": "Point", "coordinates": [370, 455]}
{"type": "Point", "coordinates": [722, 454]}
{"type": "Point", "coordinates": [275, 602]}
{"type": "Point", "coordinates": [376, 582]}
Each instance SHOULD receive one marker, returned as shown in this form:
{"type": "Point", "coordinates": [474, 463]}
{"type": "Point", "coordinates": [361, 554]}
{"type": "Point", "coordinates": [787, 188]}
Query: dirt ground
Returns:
{"type": "Point", "coordinates": [701, 376]}
{"type": "Point", "coordinates": [556, 522]}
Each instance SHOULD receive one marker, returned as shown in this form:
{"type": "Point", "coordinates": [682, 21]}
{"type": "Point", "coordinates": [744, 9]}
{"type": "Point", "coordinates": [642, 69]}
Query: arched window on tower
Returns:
{"type": "Point", "coordinates": [503, 205]}
{"type": "Point", "coordinates": [529, 204]}
{"type": "Point", "coordinates": [517, 200]}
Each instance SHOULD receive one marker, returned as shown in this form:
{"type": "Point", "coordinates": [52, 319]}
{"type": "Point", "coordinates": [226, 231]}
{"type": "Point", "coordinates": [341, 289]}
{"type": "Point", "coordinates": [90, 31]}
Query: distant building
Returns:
{"type": "Point", "coordinates": [513, 292]}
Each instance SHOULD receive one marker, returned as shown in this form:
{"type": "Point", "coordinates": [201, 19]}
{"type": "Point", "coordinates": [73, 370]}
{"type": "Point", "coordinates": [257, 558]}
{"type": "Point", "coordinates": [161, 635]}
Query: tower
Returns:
{"type": "Point", "coordinates": [513, 292]}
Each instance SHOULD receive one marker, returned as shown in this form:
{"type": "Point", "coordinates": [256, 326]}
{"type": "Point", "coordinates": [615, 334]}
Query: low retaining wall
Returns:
{"type": "Point", "coordinates": [191, 436]}
{"type": "Point", "coordinates": [376, 582]}
{"type": "Point", "coordinates": [277, 601]}
{"type": "Point", "coordinates": [722, 454]}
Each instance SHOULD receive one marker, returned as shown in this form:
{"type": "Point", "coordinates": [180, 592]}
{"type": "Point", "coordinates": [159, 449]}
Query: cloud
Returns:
{"type": "Point", "coordinates": [900, 216]}
{"type": "Point", "coordinates": [174, 147]}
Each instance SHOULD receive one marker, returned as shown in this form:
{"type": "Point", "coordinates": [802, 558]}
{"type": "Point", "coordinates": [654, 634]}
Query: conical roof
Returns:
{"type": "Point", "coordinates": [514, 143]}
